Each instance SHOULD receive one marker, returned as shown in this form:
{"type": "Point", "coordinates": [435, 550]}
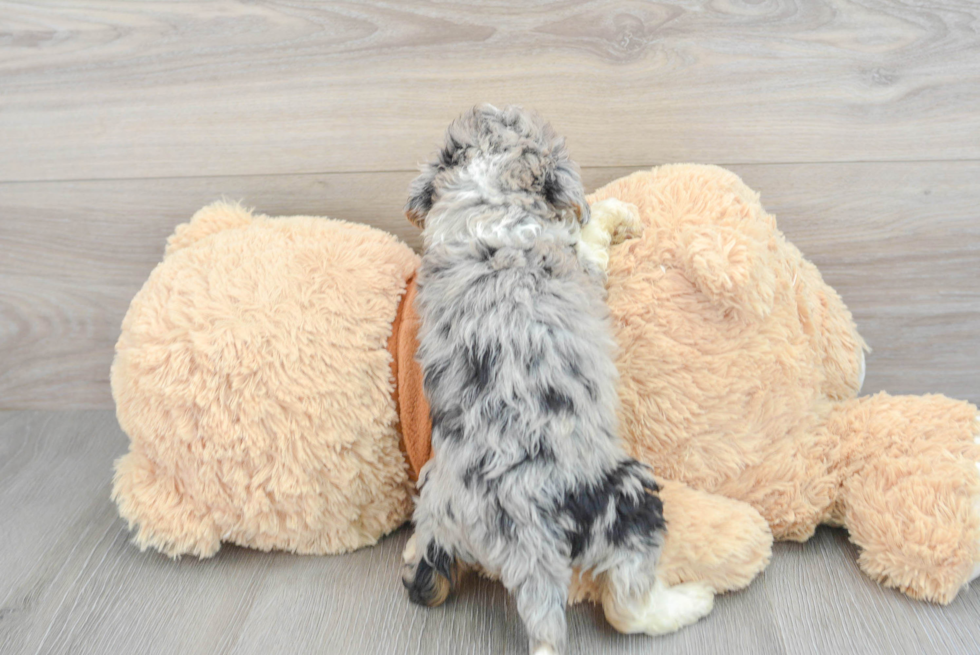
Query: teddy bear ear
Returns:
{"type": "Point", "coordinates": [216, 217]}
{"type": "Point", "coordinates": [731, 267]}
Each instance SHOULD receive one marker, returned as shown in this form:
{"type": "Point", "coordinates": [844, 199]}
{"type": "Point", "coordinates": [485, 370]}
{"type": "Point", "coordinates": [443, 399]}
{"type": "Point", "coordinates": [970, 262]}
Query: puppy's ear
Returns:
{"type": "Point", "coordinates": [563, 190]}
{"type": "Point", "coordinates": [421, 197]}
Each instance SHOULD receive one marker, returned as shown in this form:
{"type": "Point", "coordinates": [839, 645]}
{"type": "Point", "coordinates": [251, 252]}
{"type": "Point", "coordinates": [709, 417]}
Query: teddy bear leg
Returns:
{"type": "Point", "coordinates": [168, 520]}
{"type": "Point", "coordinates": [910, 491]}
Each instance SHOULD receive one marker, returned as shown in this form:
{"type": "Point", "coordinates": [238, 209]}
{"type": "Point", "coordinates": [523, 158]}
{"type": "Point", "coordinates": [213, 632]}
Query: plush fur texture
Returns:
{"type": "Point", "coordinates": [741, 407]}
{"type": "Point", "coordinates": [253, 379]}
{"type": "Point", "coordinates": [528, 477]}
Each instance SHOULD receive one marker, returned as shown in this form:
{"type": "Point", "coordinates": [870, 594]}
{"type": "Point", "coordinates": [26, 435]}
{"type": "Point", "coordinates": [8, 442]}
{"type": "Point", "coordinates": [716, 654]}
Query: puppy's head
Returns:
{"type": "Point", "coordinates": [499, 157]}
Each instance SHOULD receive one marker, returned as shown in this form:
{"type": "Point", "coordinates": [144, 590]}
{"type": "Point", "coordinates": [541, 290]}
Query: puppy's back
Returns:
{"type": "Point", "coordinates": [518, 361]}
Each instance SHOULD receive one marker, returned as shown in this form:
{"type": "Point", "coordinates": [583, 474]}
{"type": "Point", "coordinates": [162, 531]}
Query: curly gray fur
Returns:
{"type": "Point", "coordinates": [528, 477]}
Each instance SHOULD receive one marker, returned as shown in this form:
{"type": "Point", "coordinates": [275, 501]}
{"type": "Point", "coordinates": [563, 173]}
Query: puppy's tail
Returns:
{"type": "Point", "coordinates": [429, 573]}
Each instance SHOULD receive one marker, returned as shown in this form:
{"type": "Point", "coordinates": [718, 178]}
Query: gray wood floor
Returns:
{"type": "Point", "coordinates": [71, 582]}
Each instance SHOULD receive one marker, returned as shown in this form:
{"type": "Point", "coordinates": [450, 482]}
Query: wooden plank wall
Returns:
{"type": "Point", "coordinates": [857, 120]}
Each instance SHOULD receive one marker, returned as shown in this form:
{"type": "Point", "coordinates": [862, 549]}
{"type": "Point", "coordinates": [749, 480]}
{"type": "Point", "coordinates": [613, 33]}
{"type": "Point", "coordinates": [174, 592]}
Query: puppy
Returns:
{"type": "Point", "coordinates": [528, 478]}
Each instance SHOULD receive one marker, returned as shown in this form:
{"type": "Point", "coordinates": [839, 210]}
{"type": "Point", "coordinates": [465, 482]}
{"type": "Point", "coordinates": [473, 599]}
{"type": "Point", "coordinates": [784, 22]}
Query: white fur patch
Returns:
{"type": "Point", "coordinates": [664, 610]}
{"type": "Point", "coordinates": [611, 221]}
{"type": "Point", "coordinates": [544, 649]}
{"type": "Point", "coordinates": [408, 555]}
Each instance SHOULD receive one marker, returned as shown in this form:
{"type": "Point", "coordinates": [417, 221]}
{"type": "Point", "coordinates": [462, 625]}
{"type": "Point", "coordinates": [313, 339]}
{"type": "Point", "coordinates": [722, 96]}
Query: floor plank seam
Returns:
{"type": "Point", "coordinates": [640, 166]}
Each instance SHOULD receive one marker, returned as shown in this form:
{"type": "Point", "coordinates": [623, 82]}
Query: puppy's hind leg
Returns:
{"type": "Point", "coordinates": [428, 572]}
{"type": "Point", "coordinates": [540, 588]}
{"type": "Point", "coordinates": [635, 600]}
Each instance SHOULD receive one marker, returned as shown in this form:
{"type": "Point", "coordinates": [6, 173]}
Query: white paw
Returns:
{"type": "Point", "coordinates": [613, 221]}
{"type": "Point", "coordinates": [664, 610]}
{"type": "Point", "coordinates": [621, 220]}
{"type": "Point", "coordinates": [976, 501]}
{"type": "Point", "coordinates": [544, 649]}
{"type": "Point", "coordinates": [408, 555]}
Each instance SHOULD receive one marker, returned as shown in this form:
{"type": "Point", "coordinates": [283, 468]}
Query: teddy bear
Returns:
{"type": "Point", "coordinates": [265, 375]}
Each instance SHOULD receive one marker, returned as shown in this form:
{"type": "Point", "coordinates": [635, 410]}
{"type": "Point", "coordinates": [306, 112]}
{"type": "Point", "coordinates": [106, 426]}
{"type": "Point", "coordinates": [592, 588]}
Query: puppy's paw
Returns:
{"type": "Point", "coordinates": [543, 649]}
{"type": "Point", "coordinates": [621, 220]}
{"type": "Point", "coordinates": [408, 554]}
{"type": "Point", "coordinates": [688, 603]}
{"type": "Point", "coordinates": [663, 610]}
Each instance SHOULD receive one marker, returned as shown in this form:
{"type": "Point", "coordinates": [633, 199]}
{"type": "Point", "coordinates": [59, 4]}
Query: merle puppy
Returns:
{"type": "Point", "coordinates": [528, 477]}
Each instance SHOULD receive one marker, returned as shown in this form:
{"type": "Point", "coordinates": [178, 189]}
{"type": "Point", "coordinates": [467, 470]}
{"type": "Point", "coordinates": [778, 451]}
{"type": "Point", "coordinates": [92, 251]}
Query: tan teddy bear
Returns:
{"type": "Point", "coordinates": [265, 375]}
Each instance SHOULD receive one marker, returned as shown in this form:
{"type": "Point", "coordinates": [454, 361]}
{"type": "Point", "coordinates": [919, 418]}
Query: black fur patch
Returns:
{"type": "Point", "coordinates": [588, 503]}
{"type": "Point", "coordinates": [447, 424]}
{"type": "Point", "coordinates": [590, 385]}
{"type": "Point", "coordinates": [480, 364]}
{"type": "Point", "coordinates": [485, 252]}
{"type": "Point", "coordinates": [505, 524]}
{"type": "Point", "coordinates": [552, 189]}
{"type": "Point", "coordinates": [423, 588]}
{"type": "Point", "coordinates": [422, 202]}
{"type": "Point", "coordinates": [474, 472]}
{"type": "Point", "coordinates": [555, 401]}
{"type": "Point", "coordinates": [434, 373]}
{"type": "Point", "coordinates": [451, 154]}
{"type": "Point", "coordinates": [641, 517]}
{"type": "Point", "coordinates": [441, 561]}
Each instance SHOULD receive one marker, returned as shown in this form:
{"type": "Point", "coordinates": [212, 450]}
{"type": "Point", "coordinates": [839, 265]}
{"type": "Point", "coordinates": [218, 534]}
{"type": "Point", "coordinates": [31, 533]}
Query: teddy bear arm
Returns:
{"type": "Point", "coordinates": [910, 491]}
{"type": "Point", "coordinates": [611, 222]}
{"type": "Point", "coordinates": [151, 499]}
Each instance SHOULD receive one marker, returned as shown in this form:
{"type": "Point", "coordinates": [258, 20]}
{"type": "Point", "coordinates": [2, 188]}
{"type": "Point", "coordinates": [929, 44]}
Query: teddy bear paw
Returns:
{"type": "Point", "coordinates": [621, 220]}
{"type": "Point", "coordinates": [612, 221]}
